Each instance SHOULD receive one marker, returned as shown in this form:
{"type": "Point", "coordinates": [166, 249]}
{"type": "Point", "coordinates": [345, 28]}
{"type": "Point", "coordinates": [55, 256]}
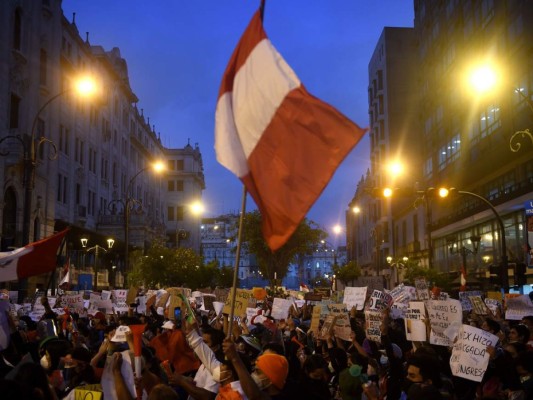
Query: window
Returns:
{"type": "Point", "coordinates": [64, 142]}
{"type": "Point", "coordinates": [428, 167]}
{"type": "Point", "coordinates": [17, 30]}
{"type": "Point", "coordinates": [179, 186]}
{"type": "Point", "coordinates": [14, 112]}
{"type": "Point", "coordinates": [170, 186]}
{"type": "Point", "coordinates": [43, 67]}
{"type": "Point", "coordinates": [179, 213]}
{"type": "Point", "coordinates": [171, 165]}
{"type": "Point", "coordinates": [489, 121]}
{"type": "Point", "coordinates": [170, 213]}
{"type": "Point", "coordinates": [450, 151]}
{"type": "Point", "coordinates": [179, 165]}
{"type": "Point", "coordinates": [114, 173]}
{"type": "Point", "coordinates": [91, 200]}
{"type": "Point", "coordinates": [78, 193]}
{"type": "Point", "coordinates": [62, 188]}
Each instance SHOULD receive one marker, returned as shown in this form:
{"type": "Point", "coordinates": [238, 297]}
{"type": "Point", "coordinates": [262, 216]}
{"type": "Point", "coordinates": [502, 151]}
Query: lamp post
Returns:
{"type": "Point", "coordinates": [504, 275]}
{"type": "Point", "coordinates": [396, 265]}
{"type": "Point", "coordinates": [464, 251]}
{"type": "Point", "coordinates": [96, 248]}
{"type": "Point", "coordinates": [158, 167]}
{"type": "Point", "coordinates": [30, 146]}
{"type": "Point", "coordinates": [485, 78]}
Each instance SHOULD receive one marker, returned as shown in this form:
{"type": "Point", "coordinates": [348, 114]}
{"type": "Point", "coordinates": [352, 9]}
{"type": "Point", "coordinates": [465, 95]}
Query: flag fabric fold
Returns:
{"type": "Point", "coordinates": [463, 279]}
{"type": "Point", "coordinates": [65, 280]}
{"type": "Point", "coordinates": [33, 259]}
{"type": "Point", "coordinates": [282, 142]}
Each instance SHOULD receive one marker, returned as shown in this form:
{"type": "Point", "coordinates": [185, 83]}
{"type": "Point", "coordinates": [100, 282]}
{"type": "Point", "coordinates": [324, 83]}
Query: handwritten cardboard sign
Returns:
{"type": "Point", "coordinates": [415, 326]}
{"type": "Point", "coordinates": [280, 308]}
{"type": "Point", "coordinates": [242, 300]}
{"type": "Point", "coordinates": [518, 307]}
{"type": "Point", "coordinates": [422, 289]}
{"type": "Point", "coordinates": [355, 297]}
{"type": "Point", "coordinates": [373, 325]}
{"type": "Point", "coordinates": [470, 357]}
{"type": "Point", "coordinates": [445, 318]}
{"type": "Point", "coordinates": [315, 320]}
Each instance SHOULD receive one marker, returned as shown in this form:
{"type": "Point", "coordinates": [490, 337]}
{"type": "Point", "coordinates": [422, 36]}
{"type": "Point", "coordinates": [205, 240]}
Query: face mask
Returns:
{"type": "Point", "coordinates": [384, 360]}
{"type": "Point", "coordinates": [44, 362]}
{"type": "Point", "coordinates": [262, 383]}
{"type": "Point", "coordinates": [407, 383]}
{"type": "Point", "coordinates": [355, 370]}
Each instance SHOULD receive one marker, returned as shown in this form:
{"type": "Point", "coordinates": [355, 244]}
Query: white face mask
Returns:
{"type": "Point", "coordinates": [384, 360]}
{"type": "Point", "coordinates": [44, 362]}
{"type": "Point", "coordinates": [262, 383]}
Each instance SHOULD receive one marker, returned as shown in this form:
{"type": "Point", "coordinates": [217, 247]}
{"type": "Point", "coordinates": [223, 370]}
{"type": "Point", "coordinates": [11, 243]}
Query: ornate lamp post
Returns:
{"type": "Point", "coordinates": [96, 248]}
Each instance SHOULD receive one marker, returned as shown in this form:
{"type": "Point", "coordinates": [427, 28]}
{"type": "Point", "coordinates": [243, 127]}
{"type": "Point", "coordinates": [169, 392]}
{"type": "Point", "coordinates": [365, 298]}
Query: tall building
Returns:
{"type": "Point", "coordinates": [467, 140]}
{"type": "Point", "coordinates": [393, 133]}
{"type": "Point", "coordinates": [90, 158]}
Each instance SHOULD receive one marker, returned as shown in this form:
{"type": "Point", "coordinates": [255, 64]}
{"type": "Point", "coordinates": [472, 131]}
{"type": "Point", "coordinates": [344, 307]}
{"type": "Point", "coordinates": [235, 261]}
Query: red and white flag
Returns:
{"type": "Point", "coordinates": [33, 259]}
{"type": "Point", "coordinates": [463, 279]}
{"type": "Point", "coordinates": [282, 142]}
{"type": "Point", "coordinates": [65, 280]}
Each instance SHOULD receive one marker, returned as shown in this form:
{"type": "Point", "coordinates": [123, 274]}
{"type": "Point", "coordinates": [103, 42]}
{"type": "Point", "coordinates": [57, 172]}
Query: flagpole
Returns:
{"type": "Point", "coordinates": [233, 292]}
{"type": "Point", "coordinates": [51, 281]}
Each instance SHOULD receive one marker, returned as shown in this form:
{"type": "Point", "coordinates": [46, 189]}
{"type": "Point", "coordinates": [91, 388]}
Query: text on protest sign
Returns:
{"type": "Point", "coordinates": [379, 301]}
{"type": "Point", "coordinates": [243, 299]}
{"type": "Point", "coordinates": [415, 326]}
{"type": "Point", "coordinates": [445, 318]}
{"type": "Point", "coordinates": [355, 297]}
{"type": "Point", "coordinates": [470, 357]}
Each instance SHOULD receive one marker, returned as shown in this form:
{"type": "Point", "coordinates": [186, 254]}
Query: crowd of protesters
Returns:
{"type": "Point", "coordinates": [205, 357]}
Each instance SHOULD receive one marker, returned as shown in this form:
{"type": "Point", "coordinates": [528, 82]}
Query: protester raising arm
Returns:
{"type": "Point", "coordinates": [248, 385]}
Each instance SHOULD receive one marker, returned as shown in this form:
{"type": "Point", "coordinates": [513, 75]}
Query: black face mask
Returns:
{"type": "Point", "coordinates": [407, 383]}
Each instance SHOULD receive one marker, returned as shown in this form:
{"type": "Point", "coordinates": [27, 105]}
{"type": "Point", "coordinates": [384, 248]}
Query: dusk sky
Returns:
{"type": "Point", "coordinates": [177, 51]}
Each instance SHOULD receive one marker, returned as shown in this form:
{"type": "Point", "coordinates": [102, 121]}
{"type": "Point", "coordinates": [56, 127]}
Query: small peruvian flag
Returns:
{"type": "Point", "coordinates": [463, 279]}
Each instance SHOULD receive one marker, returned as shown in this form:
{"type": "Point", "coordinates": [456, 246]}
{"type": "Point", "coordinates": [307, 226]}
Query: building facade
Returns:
{"type": "Point", "coordinates": [90, 158]}
{"type": "Point", "coordinates": [467, 141]}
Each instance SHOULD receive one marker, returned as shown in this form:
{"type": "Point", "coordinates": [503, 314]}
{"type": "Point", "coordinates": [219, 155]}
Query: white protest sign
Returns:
{"type": "Point", "coordinates": [470, 357]}
{"type": "Point", "coordinates": [445, 318]}
{"type": "Point", "coordinates": [493, 305]}
{"type": "Point", "coordinates": [106, 294]}
{"type": "Point", "coordinates": [218, 306]}
{"type": "Point", "coordinates": [355, 297]}
{"type": "Point", "coordinates": [415, 326]}
{"type": "Point", "coordinates": [373, 325]}
{"type": "Point", "coordinates": [379, 301]}
{"type": "Point", "coordinates": [280, 308]}
{"type": "Point", "coordinates": [518, 307]}
{"type": "Point", "coordinates": [422, 290]}
{"type": "Point", "coordinates": [73, 301]}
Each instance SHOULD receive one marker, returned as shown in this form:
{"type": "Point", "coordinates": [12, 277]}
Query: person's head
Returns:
{"type": "Point", "coordinates": [515, 349]}
{"type": "Point", "coordinates": [162, 392]}
{"type": "Point", "coordinates": [338, 360]}
{"type": "Point", "coordinates": [528, 320]}
{"type": "Point", "coordinates": [490, 325]}
{"type": "Point", "coordinates": [524, 366]}
{"type": "Point", "coordinates": [519, 333]}
{"type": "Point", "coordinates": [51, 350]}
{"type": "Point", "coordinates": [423, 369]}
{"type": "Point", "coordinates": [35, 382]}
{"type": "Point", "coordinates": [213, 338]}
{"type": "Point", "coordinates": [315, 367]}
{"type": "Point", "coordinates": [271, 369]}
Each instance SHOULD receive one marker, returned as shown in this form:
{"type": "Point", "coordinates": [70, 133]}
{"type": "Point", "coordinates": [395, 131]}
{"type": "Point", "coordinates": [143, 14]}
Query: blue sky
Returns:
{"type": "Point", "coordinates": [177, 51]}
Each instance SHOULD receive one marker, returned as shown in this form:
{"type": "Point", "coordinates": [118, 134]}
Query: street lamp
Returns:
{"type": "Point", "coordinates": [485, 78]}
{"type": "Point", "coordinates": [157, 167]}
{"type": "Point", "coordinates": [196, 208]}
{"type": "Point", "coordinates": [96, 248]}
{"type": "Point", "coordinates": [443, 192]}
{"type": "Point", "coordinates": [85, 87]}
{"type": "Point", "coordinates": [397, 265]}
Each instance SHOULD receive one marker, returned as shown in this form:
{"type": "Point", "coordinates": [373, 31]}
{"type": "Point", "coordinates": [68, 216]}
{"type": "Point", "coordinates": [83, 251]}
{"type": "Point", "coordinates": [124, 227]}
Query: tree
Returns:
{"type": "Point", "coordinates": [275, 264]}
{"type": "Point", "coordinates": [413, 271]}
{"type": "Point", "coordinates": [347, 273]}
{"type": "Point", "coordinates": [163, 267]}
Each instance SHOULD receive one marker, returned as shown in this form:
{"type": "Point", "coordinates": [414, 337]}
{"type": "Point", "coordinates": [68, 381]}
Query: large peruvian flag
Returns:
{"type": "Point", "coordinates": [33, 259]}
{"type": "Point", "coordinates": [283, 143]}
